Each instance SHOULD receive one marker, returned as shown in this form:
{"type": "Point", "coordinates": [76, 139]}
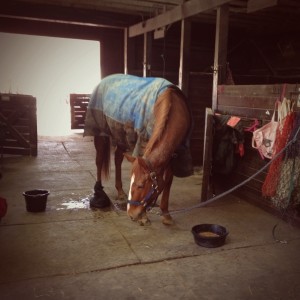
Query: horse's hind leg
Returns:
{"type": "Point", "coordinates": [118, 179]}
{"type": "Point", "coordinates": [100, 199]}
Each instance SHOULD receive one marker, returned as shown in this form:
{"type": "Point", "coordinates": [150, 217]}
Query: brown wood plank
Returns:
{"type": "Point", "coordinates": [253, 101]}
{"type": "Point", "coordinates": [207, 155]}
{"type": "Point", "coordinates": [16, 151]}
{"type": "Point", "coordinates": [185, 10]}
{"type": "Point", "coordinates": [23, 142]}
{"type": "Point", "coordinates": [78, 104]}
{"type": "Point", "coordinates": [200, 94]}
{"type": "Point", "coordinates": [220, 57]}
{"type": "Point", "coordinates": [255, 5]}
{"type": "Point", "coordinates": [263, 102]}
{"type": "Point", "coordinates": [244, 112]}
{"type": "Point", "coordinates": [184, 61]}
{"type": "Point", "coordinates": [18, 114]}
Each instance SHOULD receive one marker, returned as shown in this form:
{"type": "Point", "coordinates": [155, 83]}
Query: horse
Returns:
{"type": "Point", "coordinates": [150, 118]}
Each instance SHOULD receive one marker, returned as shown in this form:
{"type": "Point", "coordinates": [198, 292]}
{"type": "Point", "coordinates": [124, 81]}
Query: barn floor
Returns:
{"type": "Point", "coordinates": [72, 252]}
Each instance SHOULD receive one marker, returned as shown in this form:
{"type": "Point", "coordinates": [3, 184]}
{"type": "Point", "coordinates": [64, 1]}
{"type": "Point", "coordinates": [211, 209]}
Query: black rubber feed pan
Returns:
{"type": "Point", "coordinates": [209, 235]}
{"type": "Point", "coordinates": [36, 200]}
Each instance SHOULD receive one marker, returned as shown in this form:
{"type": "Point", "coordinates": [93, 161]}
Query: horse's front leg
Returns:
{"type": "Point", "coordinates": [164, 204]}
{"type": "Point", "coordinates": [118, 179]}
{"type": "Point", "coordinates": [102, 146]}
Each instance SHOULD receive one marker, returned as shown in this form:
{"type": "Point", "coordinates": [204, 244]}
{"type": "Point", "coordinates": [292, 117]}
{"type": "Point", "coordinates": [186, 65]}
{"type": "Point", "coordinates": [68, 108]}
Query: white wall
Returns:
{"type": "Point", "coordinates": [49, 69]}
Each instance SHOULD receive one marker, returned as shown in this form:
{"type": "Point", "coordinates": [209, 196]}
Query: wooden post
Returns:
{"type": "Point", "coordinates": [33, 129]}
{"type": "Point", "coordinates": [220, 58]}
{"type": "Point", "coordinates": [125, 51]}
{"type": "Point", "coordinates": [207, 155]}
{"type": "Point", "coordinates": [147, 54]}
{"type": "Point", "coordinates": [184, 64]}
{"type": "Point", "coordinates": [129, 53]}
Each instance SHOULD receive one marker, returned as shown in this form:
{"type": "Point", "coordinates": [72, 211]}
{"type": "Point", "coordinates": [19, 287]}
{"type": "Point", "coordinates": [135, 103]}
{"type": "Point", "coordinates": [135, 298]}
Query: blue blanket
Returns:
{"type": "Point", "coordinates": [128, 98]}
{"type": "Point", "coordinates": [121, 106]}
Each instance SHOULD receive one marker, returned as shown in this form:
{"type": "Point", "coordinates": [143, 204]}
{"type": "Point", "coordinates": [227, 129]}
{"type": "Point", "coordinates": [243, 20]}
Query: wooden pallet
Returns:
{"type": "Point", "coordinates": [18, 124]}
{"type": "Point", "coordinates": [78, 103]}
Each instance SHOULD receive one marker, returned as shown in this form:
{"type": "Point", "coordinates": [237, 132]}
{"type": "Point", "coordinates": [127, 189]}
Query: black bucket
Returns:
{"type": "Point", "coordinates": [36, 200]}
{"type": "Point", "coordinates": [209, 235]}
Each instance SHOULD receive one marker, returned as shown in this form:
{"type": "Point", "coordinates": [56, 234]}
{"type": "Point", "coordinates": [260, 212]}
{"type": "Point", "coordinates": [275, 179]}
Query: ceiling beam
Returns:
{"type": "Point", "coordinates": [255, 5]}
{"type": "Point", "coordinates": [185, 10]}
{"type": "Point", "coordinates": [60, 21]}
{"type": "Point", "coordinates": [16, 10]}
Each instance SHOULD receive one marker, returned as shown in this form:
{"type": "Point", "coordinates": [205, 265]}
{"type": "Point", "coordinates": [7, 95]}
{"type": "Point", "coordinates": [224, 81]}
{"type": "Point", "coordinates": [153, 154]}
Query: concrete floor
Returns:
{"type": "Point", "coordinates": [71, 252]}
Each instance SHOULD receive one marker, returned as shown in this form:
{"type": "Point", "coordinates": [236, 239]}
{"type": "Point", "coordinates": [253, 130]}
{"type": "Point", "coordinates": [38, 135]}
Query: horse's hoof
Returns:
{"type": "Point", "coordinates": [100, 199]}
{"type": "Point", "coordinates": [167, 220]}
{"type": "Point", "coordinates": [99, 202]}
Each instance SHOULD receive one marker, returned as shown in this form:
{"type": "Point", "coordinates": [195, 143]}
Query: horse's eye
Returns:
{"type": "Point", "coordinates": [139, 185]}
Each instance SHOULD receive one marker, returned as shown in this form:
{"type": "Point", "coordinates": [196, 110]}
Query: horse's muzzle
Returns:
{"type": "Point", "coordinates": [142, 220]}
{"type": "Point", "coordinates": [138, 214]}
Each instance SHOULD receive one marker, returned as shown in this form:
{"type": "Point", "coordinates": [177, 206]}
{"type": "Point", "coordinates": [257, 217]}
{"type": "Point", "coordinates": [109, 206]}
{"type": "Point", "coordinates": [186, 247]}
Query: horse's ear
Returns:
{"type": "Point", "coordinates": [129, 157]}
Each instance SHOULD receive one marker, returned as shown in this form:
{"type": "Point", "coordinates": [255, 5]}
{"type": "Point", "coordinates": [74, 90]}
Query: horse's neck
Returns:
{"type": "Point", "coordinates": [171, 126]}
{"type": "Point", "coordinates": [161, 154]}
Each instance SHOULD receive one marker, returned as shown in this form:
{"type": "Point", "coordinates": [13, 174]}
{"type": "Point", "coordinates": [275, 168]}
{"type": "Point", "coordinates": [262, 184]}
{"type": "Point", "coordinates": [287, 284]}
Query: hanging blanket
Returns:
{"type": "Point", "coordinates": [121, 106]}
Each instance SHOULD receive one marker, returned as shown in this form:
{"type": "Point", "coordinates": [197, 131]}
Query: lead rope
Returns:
{"type": "Point", "coordinates": [215, 198]}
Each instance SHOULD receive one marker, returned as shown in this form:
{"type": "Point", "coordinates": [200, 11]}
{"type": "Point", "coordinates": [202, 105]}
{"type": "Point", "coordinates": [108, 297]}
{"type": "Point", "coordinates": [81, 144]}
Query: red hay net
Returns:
{"type": "Point", "coordinates": [272, 179]}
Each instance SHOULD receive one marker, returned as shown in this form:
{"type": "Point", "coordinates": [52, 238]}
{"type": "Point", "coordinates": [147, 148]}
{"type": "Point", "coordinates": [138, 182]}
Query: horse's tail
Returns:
{"type": "Point", "coordinates": [106, 158]}
{"type": "Point", "coordinates": [102, 146]}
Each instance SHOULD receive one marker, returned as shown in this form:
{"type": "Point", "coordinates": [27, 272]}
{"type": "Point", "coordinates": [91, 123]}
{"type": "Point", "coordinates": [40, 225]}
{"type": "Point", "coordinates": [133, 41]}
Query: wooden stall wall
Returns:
{"type": "Point", "coordinates": [252, 102]}
{"type": "Point", "coordinates": [200, 83]}
{"type": "Point", "coordinates": [264, 59]}
{"type": "Point", "coordinates": [78, 107]}
{"type": "Point", "coordinates": [18, 124]}
{"type": "Point", "coordinates": [200, 93]}
{"type": "Point", "coordinates": [163, 57]}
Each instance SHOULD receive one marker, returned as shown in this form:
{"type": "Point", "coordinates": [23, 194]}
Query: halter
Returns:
{"type": "Point", "coordinates": [151, 198]}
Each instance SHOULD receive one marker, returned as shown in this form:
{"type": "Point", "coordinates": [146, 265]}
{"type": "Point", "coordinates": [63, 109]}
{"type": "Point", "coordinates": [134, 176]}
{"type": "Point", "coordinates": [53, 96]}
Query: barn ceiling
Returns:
{"type": "Point", "coordinates": [260, 15]}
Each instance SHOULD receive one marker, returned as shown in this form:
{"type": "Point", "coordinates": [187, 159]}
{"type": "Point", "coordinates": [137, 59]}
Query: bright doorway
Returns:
{"type": "Point", "coordinates": [49, 69]}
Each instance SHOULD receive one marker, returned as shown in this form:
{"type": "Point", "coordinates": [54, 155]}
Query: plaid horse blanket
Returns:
{"type": "Point", "coordinates": [121, 107]}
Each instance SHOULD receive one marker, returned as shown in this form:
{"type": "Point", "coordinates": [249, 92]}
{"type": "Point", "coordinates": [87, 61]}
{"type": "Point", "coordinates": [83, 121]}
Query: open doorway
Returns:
{"type": "Point", "coordinates": [49, 69]}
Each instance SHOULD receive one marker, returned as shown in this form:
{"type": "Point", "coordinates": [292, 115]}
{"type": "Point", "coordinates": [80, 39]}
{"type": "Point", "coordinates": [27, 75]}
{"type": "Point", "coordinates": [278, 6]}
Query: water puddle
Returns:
{"type": "Point", "coordinates": [75, 203]}
{"type": "Point", "coordinates": [78, 201]}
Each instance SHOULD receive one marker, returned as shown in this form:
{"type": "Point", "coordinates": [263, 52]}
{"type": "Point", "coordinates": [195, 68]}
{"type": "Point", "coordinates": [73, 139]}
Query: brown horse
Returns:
{"type": "Point", "coordinates": [152, 172]}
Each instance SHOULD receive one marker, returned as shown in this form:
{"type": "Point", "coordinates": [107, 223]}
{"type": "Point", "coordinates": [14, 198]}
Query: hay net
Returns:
{"type": "Point", "coordinates": [282, 183]}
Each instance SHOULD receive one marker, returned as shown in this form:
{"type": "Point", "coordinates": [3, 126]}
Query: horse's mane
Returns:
{"type": "Point", "coordinates": [161, 112]}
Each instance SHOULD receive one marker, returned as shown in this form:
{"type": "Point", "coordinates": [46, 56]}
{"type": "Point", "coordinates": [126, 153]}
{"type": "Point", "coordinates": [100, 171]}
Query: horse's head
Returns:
{"type": "Point", "coordinates": [145, 187]}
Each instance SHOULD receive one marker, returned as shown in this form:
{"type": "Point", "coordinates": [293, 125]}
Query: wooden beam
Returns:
{"type": "Point", "coordinates": [147, 54]}
{"type": "Point", "coordinates": [220, 60]}
{"type": "Point", "coordinates": [129, 53]}
{"type": "Point", "coordinates": [184, 64]}
{"type": "Point", "coordinates": [255, 5]}
{"type": "Point", "coordinates": [125, 51]}
{"type": "Point", "coordinates": [206, 191]}
{"type": "Point", "coordinates": [57, 21]}
{"type": "Point", "coordinates": [160, 32]}
{"type": "Point", "coordinates": [185, 10]}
